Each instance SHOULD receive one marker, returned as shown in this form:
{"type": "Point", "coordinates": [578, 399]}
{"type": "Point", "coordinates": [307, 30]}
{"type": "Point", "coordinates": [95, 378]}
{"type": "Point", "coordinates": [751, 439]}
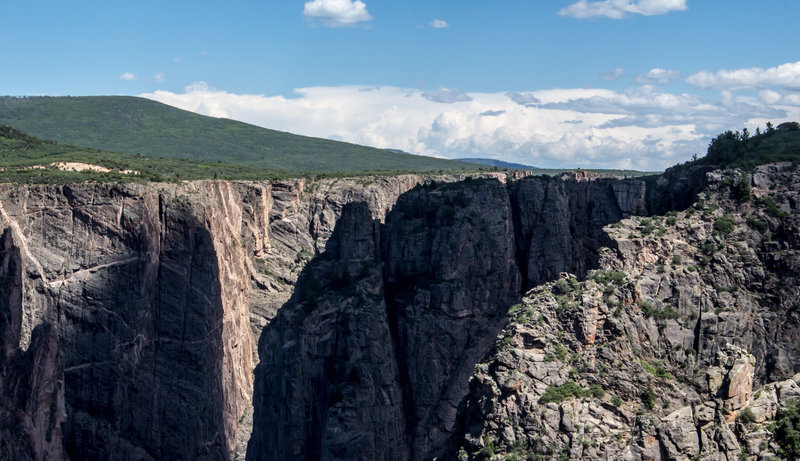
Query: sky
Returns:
{"type": "Point", "coordinates": [640, 84]}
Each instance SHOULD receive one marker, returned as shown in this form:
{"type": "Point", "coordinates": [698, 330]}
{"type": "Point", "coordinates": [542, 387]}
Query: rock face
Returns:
{"type": "Point", "coordinates": [666, 351]}
{"type": "Point", "coordinates": [143, 316]}
{"type": "Point", "coordinates": [400, 318]}
{"type": "Point", "coordinates": [130, 313]}
{"type": "Point", "coordinates": [429, 288]}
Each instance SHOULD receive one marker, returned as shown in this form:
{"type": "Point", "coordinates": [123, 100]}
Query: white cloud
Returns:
{"type": "Point", "coordinates": [177, 59]}
{"type": "Point", "coordinates": [769, 96]}
{"type": "Point", "coordinates": [643, 128]}
{"type": "Point", "coordinates": [158, 77]}
{"type": "Point", "coordinates": [439, 24]}
{"type": "Point", "coordinates": [786, 76]}
{"type": "Point", "coordinates": [127, 76]}
{"type": "Point", "coordinates": [613, 74]}
{"type": "Point", "coordinates": [658, 76]}
{"type": "Point", "coordinates": [618, 9]}
{"type": "Point", "coordinates": [337, 13]}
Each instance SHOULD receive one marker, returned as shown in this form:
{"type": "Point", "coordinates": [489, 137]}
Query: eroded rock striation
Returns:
{"type": "Point", "coordinates": [400, 318]}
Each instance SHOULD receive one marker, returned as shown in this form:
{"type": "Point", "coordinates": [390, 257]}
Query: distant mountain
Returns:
{"type": "Point", "coordinates": [141, 126]}
{"type": "Point", "coordinates": [497, 163]}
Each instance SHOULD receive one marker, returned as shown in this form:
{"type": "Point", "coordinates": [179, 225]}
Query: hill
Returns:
{"type": "Point", "coordinates": [497, 163]}
{"type": "Point", "coordinates": [26, 159]}
{"type": "Point", "coordinates": [136, 125]}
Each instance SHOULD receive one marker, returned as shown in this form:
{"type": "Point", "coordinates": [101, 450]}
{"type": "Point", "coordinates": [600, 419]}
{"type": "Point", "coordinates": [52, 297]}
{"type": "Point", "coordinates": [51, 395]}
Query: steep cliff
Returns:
{"type": "Point", "coordinates": [130, 312]}
{"type": "Point", "coordinates": [682, 344]}
{"type": "Point", "coordinates": [429, 289]}
{"type": "Point", "coordinates": [399, 318]}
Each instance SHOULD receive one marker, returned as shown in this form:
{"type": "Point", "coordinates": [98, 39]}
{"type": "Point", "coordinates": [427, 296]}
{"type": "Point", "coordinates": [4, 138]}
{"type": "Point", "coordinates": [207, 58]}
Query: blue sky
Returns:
{"type": "Point", "coordinates": [612, 83]}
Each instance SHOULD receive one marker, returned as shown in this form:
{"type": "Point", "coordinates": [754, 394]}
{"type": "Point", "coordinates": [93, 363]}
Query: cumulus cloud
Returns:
{"type": "Point", "coordinates": [439, 24]}
{"type": "Point", "coordinates": [769, 96]}
{"type": "Point", "coordinates": [643, 128]}
{"type": "Point", "coordinates": [158, 77]}
{"type": "Point", "coordinates": [613, 74]}
{"type": "Point", "coordinates": [492, 113]}
{"type": "Point", "coordinates": [658, 76]}
{"type": "Point", "coordinates": [446, 96]}
{"type": "Point", "coordinates": [337, 13]}
{"type": "Point", "coordinates": [785, 76]}
{"type": "Point", "coordinates": [618, 9]}
{"type": "Point", "coordinates": [127, 76]}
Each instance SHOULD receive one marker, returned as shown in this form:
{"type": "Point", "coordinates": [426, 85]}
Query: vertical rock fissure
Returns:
{"type": "Point", "coordinates": [400, 359]}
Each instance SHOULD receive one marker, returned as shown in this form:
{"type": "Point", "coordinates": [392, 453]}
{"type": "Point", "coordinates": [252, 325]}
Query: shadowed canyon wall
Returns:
{"type": "Point", "coordinates": [129, 314]}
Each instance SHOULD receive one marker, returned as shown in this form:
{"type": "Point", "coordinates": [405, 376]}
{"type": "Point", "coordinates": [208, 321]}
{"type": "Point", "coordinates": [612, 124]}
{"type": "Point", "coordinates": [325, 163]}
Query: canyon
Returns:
{"type": "Point", "coordinates": [407, 317]}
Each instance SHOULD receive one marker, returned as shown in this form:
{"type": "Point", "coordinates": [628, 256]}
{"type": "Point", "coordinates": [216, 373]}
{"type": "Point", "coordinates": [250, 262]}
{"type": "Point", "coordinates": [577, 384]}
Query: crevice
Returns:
{"type": "Point", "coordinates": [392, 319]}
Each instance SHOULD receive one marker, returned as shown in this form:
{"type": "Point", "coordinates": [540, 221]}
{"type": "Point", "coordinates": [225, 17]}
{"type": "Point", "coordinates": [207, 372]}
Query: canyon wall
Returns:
{"type": "Point", "coordinates": [390, 315]}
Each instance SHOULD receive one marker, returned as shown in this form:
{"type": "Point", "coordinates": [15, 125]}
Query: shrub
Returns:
{"type": "Point", "coordinates": [561, 352]}
{"type": "Point", "coordinates": [742, 190]}
{"type": "Point", "coordinates": [616, 401]}
{"type": "Point", "coordinates": [648, 397]}
{"type": "Point", "coordinates": [488, 448]}
{"type": "Point", "coordinates": [561, 287]}
{"type": "Point", "coordinates": [746, 416]}
{"type": "Point", "coordinates": [671, 220]}
{"type": "Point", "coordinates": [772, 208]}
{"type": "Point", "coordinates": [723, 225]}
{"type": "Point", "coordinates": [614, 276]}
{"type": "Point", "coordinates": [676, 260]}
{"type": "Point", "coordinates": [787, 431]}
{"type": "Point", "coordinates": [568, 390]}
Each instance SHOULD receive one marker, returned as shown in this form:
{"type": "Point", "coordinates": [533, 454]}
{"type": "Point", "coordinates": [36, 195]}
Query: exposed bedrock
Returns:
{"type": "Point", "coordinates": [129, 313]}
{"type": "Point", "coordinates": [132, 301]}
{"type": "Point", "coordinates": [408, 315]}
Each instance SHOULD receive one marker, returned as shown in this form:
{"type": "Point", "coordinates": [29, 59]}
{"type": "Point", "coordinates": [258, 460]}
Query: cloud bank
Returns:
{"type": "Point", "coordinates": [784, 76]}
{"type": "Point", "coordinates": [337, 13]}
{"type": "Point", "coordinates": [618, 9]}
{"type": "Point", "coordinates": [643, 127]}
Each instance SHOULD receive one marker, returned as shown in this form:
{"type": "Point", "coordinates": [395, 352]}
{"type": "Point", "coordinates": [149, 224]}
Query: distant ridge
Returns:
{"type": "Point", "coordinates": [141, 126]}
{"type": "Point", "coordinates": [497, 163]}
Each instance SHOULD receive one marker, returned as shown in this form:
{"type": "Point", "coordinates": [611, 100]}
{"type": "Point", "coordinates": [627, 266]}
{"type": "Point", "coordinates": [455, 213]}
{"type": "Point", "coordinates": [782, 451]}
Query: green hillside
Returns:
{"type": "Point", "coordinates": [26, 159]}
{"type": "Point", "coordinates": [136, 125]}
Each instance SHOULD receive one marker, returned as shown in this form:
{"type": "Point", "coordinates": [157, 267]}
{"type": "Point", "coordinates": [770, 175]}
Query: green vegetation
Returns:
{"type": "Point", "coordinates": [136, 125]}
{"type": "Point", "coordinates": [772, 207]}
{"type": "Point", "coordinates": [668, 312]}
{"type": "Point", "coordinates": [656, 370]}
{"type": "Point", "coordinates": [723, 225]}
{"type": "Point", "coordinates": [558, 394]}
{"type": "Point", "coordinates": [787, 431]}
{"type": "Point", "coordinates": [488, 448]}
{"type": "Point", "coordinates": [25, 159]}
{"type": "Point", "coordinates": [740, 150]}
{"type": "Point", "coordinates": [613, 276]}
{"type": "Point", "coordinates": [746, 416]}
{"type": "Point", "coordinates": [648, 398]}
{"type": "Point", "coordinates": [742, 189]}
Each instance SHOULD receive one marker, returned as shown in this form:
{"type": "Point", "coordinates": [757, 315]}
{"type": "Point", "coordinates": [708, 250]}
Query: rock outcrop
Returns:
{"type": "Point", "coordinates": [672, 349]}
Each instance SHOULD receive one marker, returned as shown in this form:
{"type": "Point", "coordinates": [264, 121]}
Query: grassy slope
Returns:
{"type": "Point", "coordinates": [19, 151]}
{"type": "Point", "coordinates": [136, 125]}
